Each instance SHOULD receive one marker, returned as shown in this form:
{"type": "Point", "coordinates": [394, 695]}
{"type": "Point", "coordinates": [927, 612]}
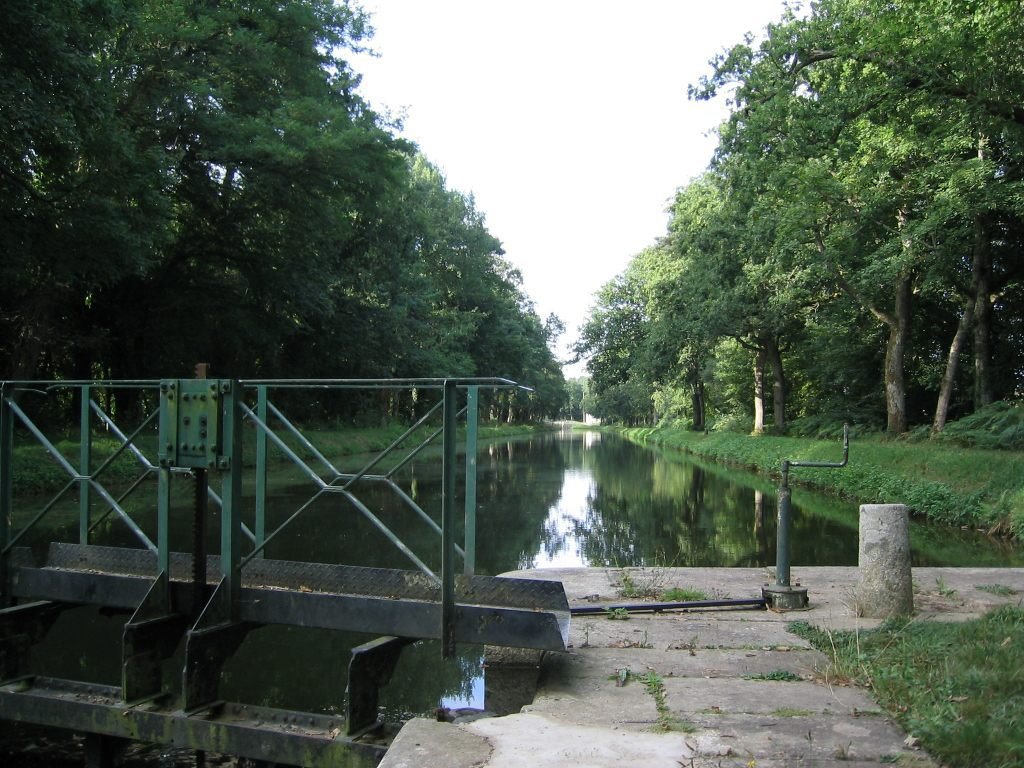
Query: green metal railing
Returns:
{"type": "Point", "coordinates": [199, 425]}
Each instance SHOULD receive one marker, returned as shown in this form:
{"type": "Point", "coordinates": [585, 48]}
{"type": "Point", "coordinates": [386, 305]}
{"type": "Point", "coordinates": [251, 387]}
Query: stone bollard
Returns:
{"type": "Point", "coordinates": [885, 588]}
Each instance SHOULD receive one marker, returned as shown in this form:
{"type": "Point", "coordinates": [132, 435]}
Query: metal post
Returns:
{"type": "Point", "coordinates": [231, 494]}
{"type": "Point", "coordinates": [163, 518]}
{"type": "Point", "coordinates": [448, 521]}
{"type": "Point", "coordinates": [472, 400]}
{"type": "Point", "coordinates": [260, 524]}
{"type": "Point", "coordinates": [782, 595]}
{"type": "Point", "coordinates": [84, 461]}
{"type": "Point", "coordinates": [784, 531]}
{"type": "Point", "coordinates": [168, 416]}
{"type": "Point", "coordinates": [6, 485]}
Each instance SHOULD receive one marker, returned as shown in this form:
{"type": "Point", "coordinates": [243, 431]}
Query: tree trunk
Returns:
{"type": "Point", "coordinates": [697, 401]}
{"type": "Point", "coordinates": [981, 283]}
{"type": "Point", "coordinates": [759, 360]}
{"type": "Point", "coordinates": [774, 356]}
{"type": "Point", "coordinates": [952, 363]}
{"type": "Point", "coordinates": [895, 354]}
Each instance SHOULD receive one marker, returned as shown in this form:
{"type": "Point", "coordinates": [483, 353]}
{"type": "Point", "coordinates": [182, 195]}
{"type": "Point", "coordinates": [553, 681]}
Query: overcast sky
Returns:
{"type": "Point", "coordinates": [567, 120]}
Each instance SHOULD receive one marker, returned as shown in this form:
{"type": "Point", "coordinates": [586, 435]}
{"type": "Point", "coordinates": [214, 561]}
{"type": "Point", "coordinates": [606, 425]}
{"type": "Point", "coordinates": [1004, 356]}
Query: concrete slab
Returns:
{"type": "Point", "coordinates": [687, 695]}
{"type": "Point", "coordinates": [706, 662]}
{"type": "Point", "coordinates": [599, 663]}
{"type": "Point", "coordinates": [423, 743]}
{"type": "Point", "coordinates": [808, 740]}
{"type": "Point", "coordinates": [684, 631]}
{"type": "Point", "coordinates": [557, 743]}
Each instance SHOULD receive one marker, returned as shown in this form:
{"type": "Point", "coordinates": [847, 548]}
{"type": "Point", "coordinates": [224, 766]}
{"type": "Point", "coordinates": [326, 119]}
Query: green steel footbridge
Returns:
{"type": "Point", "coordinates": [186, 440]}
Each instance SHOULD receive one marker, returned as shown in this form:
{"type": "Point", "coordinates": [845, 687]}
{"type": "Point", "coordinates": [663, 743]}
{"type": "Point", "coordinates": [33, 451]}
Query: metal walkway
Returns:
{"type": "Point", "coordinates": [209, 602]}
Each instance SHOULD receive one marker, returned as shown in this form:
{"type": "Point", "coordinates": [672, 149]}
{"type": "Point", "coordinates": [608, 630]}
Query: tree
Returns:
{"type": "Point", "coordinates": [886, 105]}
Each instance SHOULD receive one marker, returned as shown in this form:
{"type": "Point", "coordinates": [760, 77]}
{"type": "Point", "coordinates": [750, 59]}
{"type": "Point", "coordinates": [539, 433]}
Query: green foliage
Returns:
{"type": "Point", "coordinates": [183, 182]}
{"type": "Point", "coordinates": [776, 675]}
{"type": "Point", "coordinates": [682, 595]}
{"type": "Point", "coordinates": [863, 212]}
{"type": "Point", "coordinates": [955, 686]}
{"type": "Point", "coordinates": [948, 484]}
{"type": "Point", "coordinates": [997, 426]}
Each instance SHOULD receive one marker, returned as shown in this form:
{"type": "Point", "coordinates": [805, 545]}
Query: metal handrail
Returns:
{"type": "Point", "coordinates": [227, 460]}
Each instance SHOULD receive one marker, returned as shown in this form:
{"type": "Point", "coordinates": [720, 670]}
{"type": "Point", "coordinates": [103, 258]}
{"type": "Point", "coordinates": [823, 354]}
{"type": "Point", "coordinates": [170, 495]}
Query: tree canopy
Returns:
{"type": "Point", "coordinates": [184, 181]}
{"type": "Point", "coordinates": [857, 233]}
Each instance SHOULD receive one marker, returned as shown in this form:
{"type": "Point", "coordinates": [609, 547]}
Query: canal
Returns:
{"type": "Point", "coordinates": [555, 500]}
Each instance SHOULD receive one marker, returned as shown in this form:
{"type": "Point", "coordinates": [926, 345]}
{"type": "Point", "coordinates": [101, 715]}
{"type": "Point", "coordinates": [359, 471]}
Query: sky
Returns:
{"type": "Point", "coordinates": [566, 120]}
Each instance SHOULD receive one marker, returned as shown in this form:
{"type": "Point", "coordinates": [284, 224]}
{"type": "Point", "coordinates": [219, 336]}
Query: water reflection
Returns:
{"type": "Point", "coordinates": [609, 502]}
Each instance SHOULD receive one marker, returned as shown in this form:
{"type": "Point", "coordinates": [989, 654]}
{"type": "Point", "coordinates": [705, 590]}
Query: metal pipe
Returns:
{"type": "Point", "coordinates": [391, 537]}
{"type": "Point", "coordinates": [295, 432]}
{"type": "Point", "coordinates": [690, 605]}
{"type": "Point", "coordinates": [783, 532]}
{"type": "Point", "coordinates": [448, 522]}
{"type": "Point", "coordinates": [250, 414]}
{"type": "Point", "coordinates": [419, 511]}
{"type": "Point", "coordinates": [394, 444]}
{"type": "Point", "coordinates": [472, 401]}
{"type": "Point", "coordinates": [112, 426]}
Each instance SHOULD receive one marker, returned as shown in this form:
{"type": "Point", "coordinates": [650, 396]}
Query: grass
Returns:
{"type": "Point", "coordinates": [777, 675]}
{"type": "Point", "coordinates": [944, 481]}
{"type": "Point", "coordinates": [957, 687]}
{"type": "Point", "coordinates": [654, 684]}
{"type": "Point", "coordinates": [647, 584]}
{"type": "Point", "coordinates": [682, 595]}
{"type": "Point", "coordinates": [997, 589]}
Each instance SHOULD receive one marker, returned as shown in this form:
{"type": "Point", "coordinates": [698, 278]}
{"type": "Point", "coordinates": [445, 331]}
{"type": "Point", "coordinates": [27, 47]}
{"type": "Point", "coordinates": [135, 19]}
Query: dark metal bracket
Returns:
{"type": "Point", "coordinates": [150, 637]}
{"type": "Point", "coordinates": [370, 668]}
{"type": "Point", "coordinates": [208, 645]}
{"type": "Point", "coordinates": [22, 626]}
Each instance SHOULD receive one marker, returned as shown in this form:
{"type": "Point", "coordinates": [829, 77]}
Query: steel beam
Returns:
{"type": "Point", "coordinates": [523, 613]}
{"type": "Point", "coordinates": [370, 668]}
{"type": "Point", "coordinates": [259, 733]}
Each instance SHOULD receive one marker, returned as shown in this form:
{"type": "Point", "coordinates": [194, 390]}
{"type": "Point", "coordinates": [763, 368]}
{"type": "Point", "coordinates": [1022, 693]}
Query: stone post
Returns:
{"type": "Point", "coordinates": [885, 588]}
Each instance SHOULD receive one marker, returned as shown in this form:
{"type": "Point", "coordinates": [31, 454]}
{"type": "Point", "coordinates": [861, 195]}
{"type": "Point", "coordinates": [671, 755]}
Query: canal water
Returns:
{"type": "Point", "coordinates": [554, 500]}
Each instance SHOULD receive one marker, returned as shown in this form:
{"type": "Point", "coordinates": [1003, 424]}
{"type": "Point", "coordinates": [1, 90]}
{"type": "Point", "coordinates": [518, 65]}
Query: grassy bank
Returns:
{"type": "Point", "coordinates": [956, 687]}
{"type": "Point", "coordinates": [954, 485]}
{"type": "Point", "coordinates": [36, 471]}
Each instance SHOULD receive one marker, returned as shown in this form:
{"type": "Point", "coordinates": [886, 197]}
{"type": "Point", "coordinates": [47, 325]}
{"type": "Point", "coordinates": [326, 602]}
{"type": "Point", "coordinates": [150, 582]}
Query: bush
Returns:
{"type": "Point", "coordinates": [998, 426]}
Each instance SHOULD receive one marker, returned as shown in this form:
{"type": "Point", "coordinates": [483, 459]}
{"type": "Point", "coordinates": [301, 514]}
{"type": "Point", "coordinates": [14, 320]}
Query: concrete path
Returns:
{"type": "Point", "coordinates": [717, 688]}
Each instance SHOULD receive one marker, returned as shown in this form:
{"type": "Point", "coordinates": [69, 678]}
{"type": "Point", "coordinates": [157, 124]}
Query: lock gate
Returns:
{"type": "Point", "coordinates": [211, 601]}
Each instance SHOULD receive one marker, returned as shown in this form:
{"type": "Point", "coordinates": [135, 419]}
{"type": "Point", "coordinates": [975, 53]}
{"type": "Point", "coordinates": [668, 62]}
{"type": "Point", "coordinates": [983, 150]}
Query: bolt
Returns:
{"type": "Point", "coordinates": [186, 420]}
